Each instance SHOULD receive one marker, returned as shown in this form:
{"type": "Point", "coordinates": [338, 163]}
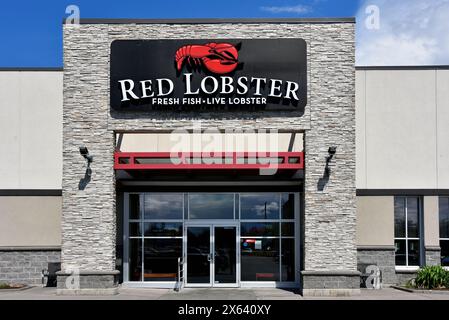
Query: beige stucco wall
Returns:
{"type": "Point", "coordinates": [443, 128]}
{"type": "Point", "coordinates": [431, 222]}
{"type": "Point", "coordinates": [375, 221]}
{"type": "Point", "coordinates": [402, 133]}
{"type": "Point", "coordinates": [30, 221]}
{"type": "Point", "coordinates": [31, 129]}
{"type": "Point", "coordinates": [360, 120]}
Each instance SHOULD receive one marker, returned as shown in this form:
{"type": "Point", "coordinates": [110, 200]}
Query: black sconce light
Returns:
{"type": "Point", "coordinates": [331, 151]}
{"type": "Point", "coordinates": [89, 158]}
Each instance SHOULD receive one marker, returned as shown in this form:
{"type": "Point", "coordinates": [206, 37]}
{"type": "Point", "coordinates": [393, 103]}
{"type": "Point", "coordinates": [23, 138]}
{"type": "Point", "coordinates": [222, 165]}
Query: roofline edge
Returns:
{"type": "Point", "coordinates": [215, 20]}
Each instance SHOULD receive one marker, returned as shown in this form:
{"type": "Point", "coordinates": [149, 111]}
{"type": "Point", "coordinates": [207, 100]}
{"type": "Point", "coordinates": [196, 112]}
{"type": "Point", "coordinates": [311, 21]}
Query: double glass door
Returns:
{"type": "Point", "coordinates": [211, 255]}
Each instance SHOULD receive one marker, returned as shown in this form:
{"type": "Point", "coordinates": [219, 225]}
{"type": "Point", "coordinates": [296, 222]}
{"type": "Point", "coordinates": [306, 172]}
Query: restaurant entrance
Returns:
{"type": "Point", "coordinates": [223, 239]}
{"type": "Point", "coordinates": [211, 255]}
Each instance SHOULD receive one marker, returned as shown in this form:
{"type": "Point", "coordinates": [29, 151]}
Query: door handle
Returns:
{"type": "Point", "coordinates": [208, 257]}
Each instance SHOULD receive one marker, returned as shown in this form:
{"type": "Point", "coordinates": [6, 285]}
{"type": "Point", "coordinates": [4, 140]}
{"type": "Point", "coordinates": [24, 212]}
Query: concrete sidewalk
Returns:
{"type": "Point", "coordinates": [38, 293]}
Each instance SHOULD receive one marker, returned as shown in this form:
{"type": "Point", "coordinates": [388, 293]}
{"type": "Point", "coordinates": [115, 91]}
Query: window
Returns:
{"type": "Point", "coordinates": [211, 206]}
{"type": "Point", "coordinates": [260, 259]}
{"type": "Point", "coordinates": [161, 259]}
{"type": "Point", "coordinates": [259, 206]}
{"type": "Point", "coordinates": [163, 206]}
{"type": "Point", "coordinates": [268, 227]}
{"type": "Point", "coordinates": [288, 210]}
{"type": "Point", "coordinates": [155, 236]}
{"type": "Point", "coordinates": [267, 239]}
{"type": "Point", "coordinates": [259, 229]}
{"type": "Point", "coordinates": [444, 230]}
{"type": "Point", "coordinates": [134, 206]}
{"type": "Point", "coordinates": [135, 263]}
{"type": "Point", "coordinates": [407, 231]}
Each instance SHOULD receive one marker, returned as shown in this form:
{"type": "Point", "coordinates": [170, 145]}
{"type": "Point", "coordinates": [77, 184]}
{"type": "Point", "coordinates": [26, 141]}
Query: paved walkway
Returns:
{"type": "Point", "coordinates": [38, 293]}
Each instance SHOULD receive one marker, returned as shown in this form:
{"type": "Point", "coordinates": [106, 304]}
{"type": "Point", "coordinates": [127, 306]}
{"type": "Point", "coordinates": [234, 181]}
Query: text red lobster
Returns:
{"type": "Point", "coordinates": [218, 58]}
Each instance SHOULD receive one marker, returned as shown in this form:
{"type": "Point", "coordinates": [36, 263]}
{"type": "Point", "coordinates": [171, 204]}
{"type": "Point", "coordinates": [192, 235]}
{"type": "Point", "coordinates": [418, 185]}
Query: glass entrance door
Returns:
{"type": "Point", "coordinates": [211, 256]}
{"type": "Point", "coordinates": [225, 255]}
{"type": "Point", "coordinates": [199, 256]}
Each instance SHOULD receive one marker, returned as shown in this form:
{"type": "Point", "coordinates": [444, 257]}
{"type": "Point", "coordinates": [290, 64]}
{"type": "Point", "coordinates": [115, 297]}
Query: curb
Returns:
{"type": "Point", "coordinates": [409, 290]}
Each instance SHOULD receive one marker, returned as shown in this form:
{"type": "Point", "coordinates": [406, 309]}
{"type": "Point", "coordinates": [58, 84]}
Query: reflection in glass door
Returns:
{"type": "Point", "coordinates": [198, 255]}
{"type": "Point", "coordinates": [225, 254]}
{"type": "Point", "coordinates": [211, 255]}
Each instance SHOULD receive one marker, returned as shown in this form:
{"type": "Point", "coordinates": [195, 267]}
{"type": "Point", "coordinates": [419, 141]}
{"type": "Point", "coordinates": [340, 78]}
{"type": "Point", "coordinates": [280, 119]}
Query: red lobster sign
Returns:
{"type": "Point", "coordinates": [219, 58]}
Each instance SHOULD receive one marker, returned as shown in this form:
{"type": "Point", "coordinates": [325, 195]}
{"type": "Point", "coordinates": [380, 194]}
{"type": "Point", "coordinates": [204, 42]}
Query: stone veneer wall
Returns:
{"type": "Point", "coordinates": [384, 258]}
{"type": "Point", "coordinates": [88, 220]}
{"type": "Point", "coordinates": [433, 256]}
{"type": "Point", "coordinates": [25, 266]}
{"type": "Point", "coordinates": [381, 257]}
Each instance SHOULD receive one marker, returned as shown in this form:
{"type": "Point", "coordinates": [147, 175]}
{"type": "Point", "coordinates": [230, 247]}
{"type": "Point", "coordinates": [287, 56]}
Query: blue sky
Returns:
{"type": "Point", "coordinates": [31, 30]}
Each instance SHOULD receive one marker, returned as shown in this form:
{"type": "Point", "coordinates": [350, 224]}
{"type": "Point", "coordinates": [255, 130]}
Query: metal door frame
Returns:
{"type": "Point", "coordinates": [212, 224]}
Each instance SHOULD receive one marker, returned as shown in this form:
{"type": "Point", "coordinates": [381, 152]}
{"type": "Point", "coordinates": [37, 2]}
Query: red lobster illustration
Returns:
{"type": "Point", "coordinates": [218, 58]}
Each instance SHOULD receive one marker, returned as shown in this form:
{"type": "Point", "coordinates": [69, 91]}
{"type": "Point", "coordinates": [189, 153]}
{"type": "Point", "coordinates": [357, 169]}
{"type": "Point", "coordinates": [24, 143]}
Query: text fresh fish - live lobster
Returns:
{"type": "Point", "coordinates": [219, 58]}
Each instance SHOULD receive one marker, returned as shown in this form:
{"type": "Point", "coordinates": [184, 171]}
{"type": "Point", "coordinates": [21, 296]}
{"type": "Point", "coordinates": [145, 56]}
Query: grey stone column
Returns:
{"type": "Point", "coordinates": [88, 203]}
{"type": "Point", "coordinates": [330, 203]}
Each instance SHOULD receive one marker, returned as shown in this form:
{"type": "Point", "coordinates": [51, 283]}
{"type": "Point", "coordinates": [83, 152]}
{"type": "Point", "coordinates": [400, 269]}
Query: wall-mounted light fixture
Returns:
{"type": "Point", "coordinates": [331, 151]}
{"type": "Point", "coordinates": [89, 158]}
{"type": "Point", "coordinates": [85, 153]}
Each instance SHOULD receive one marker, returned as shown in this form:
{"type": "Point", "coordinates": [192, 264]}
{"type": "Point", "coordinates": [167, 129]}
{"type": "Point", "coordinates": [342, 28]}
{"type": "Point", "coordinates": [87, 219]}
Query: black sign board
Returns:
{"type": "Point", "coordinates": [208, 74]}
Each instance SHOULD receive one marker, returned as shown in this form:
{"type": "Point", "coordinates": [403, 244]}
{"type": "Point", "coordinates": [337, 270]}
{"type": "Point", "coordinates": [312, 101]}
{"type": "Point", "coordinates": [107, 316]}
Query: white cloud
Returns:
{"type": "Point", "coordinates": [412, 32]}
{"type": "Point", "coordinates": [298, 9]}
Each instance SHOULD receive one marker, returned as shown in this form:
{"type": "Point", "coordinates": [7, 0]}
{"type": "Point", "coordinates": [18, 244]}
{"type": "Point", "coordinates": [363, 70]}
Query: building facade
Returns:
{"type": "Point", "coordinates": [356, 184]}
{"type": "Point", "coordinates": [402, 168]}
